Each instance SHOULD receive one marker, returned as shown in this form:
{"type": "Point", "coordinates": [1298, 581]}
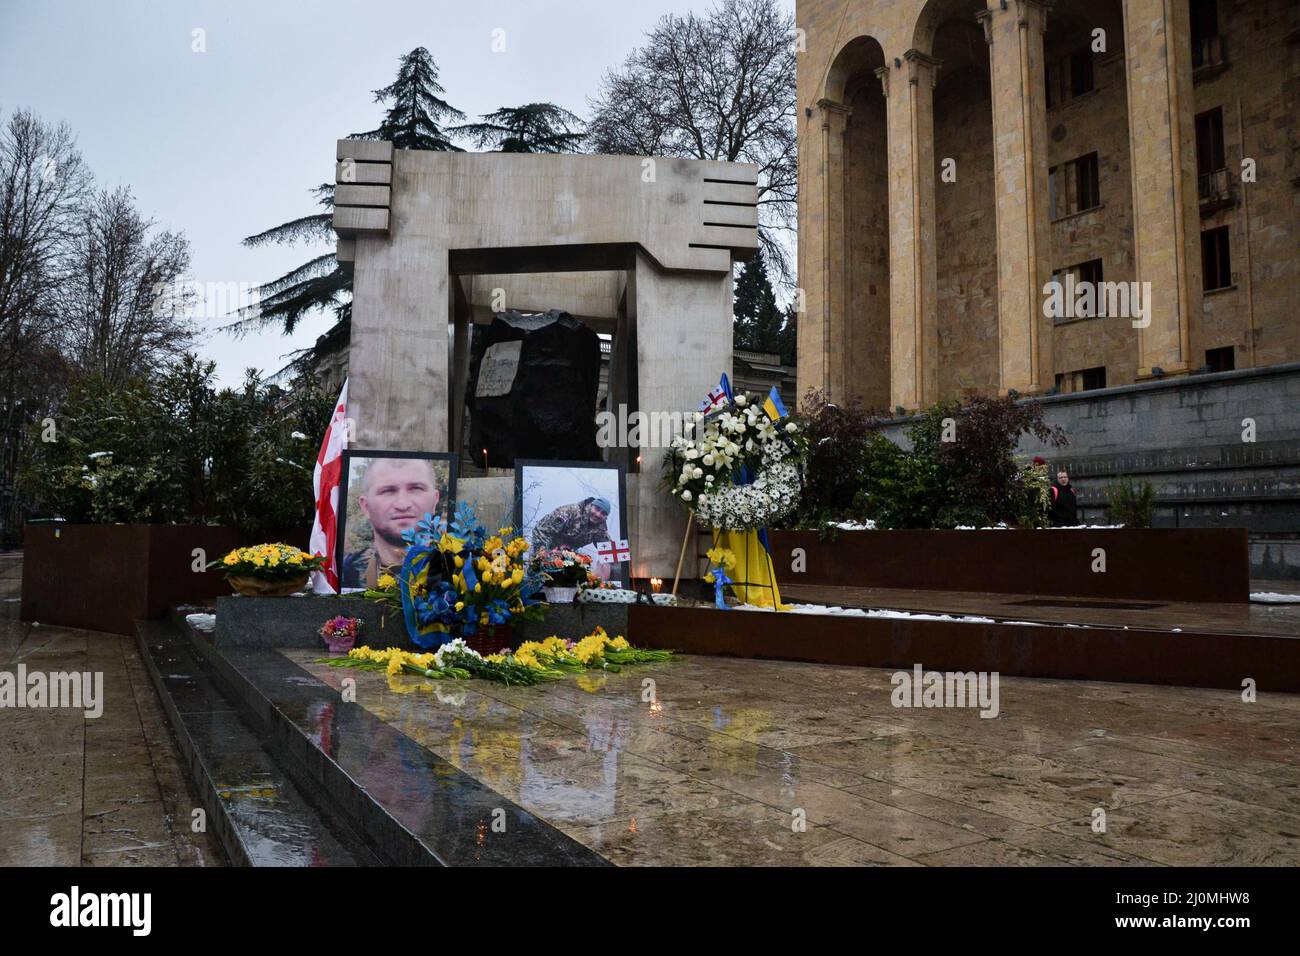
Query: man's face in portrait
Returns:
{"type": "Point", "coordinates": [398, 492]}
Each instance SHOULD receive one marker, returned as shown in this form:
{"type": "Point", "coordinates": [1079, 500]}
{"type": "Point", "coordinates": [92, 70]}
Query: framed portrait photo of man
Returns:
{"type": "Point", "coordinates": [579, 505]}
{"type": "Point", "coordinates": [385, 493]}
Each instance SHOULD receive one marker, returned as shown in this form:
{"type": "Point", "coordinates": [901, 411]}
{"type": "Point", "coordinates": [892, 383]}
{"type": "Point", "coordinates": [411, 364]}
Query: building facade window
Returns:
{"type": "Point", "coordinates": [1211, 164]}
{"type": "Point", "coordinates": [1221, 359]}
{"type": "Point", "coordinates": [1207, 44]}
{"type": "Point", "coordinates": [1080, 295]}
{"type": "Point", "coordinates": [1074, 186]}
{"type": "Point", "coordinates": [1068, 77]}
{"type": "Point", "coordinates": [1083, 380]}
{"type": "Point", "coordinates": [1216, 259]}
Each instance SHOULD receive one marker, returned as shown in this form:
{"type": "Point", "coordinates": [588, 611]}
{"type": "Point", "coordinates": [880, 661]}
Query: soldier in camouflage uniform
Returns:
{"type": "Point", "coordinates": [573, 526]}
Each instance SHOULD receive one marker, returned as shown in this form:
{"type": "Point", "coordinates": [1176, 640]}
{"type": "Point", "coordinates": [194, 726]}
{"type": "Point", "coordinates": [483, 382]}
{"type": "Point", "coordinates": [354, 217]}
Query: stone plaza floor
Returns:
{"type": "Point", "coordinates": [732, 755]}
{"type": "Point", "coordinates": [723, 761]}
{"type": "Point", "coordinates": [108, 791]}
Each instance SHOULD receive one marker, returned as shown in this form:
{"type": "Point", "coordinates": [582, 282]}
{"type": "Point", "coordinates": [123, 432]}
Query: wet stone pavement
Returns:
{"type": "Point", "coordinates": [721, 761]}
{"type": "Point", "coordinates": [105, 791]}
{"type": "Point", "coordinates": [742, 762]}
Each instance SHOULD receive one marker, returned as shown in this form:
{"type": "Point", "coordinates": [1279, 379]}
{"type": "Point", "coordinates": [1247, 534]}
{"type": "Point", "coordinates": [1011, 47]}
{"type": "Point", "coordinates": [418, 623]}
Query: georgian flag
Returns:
{"type": "Point", "coordinates": [325, 483]}
{"type": "Point", "coordinates": [715, 398]}
{"type": "Point", "coordinates": [613, 552]}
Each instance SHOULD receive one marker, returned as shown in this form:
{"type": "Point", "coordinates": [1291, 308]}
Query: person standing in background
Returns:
{"type": "Point", "coordinates": [1064, 509]}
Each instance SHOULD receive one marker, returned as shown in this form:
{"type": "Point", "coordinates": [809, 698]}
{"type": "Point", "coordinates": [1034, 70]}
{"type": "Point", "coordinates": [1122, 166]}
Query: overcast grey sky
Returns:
{"type": "Point", "coordinates": [227, 142]}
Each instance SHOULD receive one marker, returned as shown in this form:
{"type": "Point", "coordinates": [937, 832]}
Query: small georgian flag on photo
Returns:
{"type": "Point", "coordinates": [613, 552]}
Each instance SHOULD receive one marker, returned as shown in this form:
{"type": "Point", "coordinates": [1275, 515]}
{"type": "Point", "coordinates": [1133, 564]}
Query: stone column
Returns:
{"type": "Point", "coordinates": [683, 330]}
{"type": "Point", "coordinates": [1015, 35]}
{"type": "Point", "coordinates": [462, 314]}
{"type": "Point", "coordinates": [913, 335]}
{"type": "Point", "coordinates": [399, 363]}
{"type": "Point", "coordinates": [829, 358]}
{"type": "Point", "coordinates": [1162, 137]}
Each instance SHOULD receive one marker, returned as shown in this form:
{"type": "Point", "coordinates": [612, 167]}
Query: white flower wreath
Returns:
{"type": "Point", "coordinates": [772, 495]}
{"type": "Point", "coordinates": [701, 470]}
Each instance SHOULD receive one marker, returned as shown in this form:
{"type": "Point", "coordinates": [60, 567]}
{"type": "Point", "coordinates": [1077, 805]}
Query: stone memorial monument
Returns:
{"type": "Point", "coordinates": [639, 247]}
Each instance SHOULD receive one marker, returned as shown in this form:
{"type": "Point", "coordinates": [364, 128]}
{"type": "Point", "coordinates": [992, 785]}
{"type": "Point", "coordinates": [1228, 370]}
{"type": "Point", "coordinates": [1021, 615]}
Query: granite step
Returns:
{"type": "Point", "coordinates": [259, 814]}
{"type": "Point", "coordinates": [411, 806]}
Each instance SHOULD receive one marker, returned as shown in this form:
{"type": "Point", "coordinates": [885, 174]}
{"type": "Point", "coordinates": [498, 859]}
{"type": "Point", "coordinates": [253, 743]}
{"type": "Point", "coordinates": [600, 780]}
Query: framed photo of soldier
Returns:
{"type": "Point", "coordinates": [579, 505]}
{"type": "Point", "coordinates": [383, 494]}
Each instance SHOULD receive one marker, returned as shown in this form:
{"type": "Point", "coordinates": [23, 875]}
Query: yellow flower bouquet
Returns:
{"type": "Point", "coordinates": [268, 570]}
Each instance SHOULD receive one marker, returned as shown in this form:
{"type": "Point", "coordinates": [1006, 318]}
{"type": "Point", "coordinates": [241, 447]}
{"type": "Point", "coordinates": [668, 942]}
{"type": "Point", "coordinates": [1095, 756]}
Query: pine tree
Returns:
{"type": "Point", "coordinates": [320, 283]}
{"type": "Point", "coordinates": [412, 122]}
{"type": "Point", "coordinates": [788, 340]}
{"type": "Point", "coordinates": [758, 319]}
{"type": "Point", "coordinates": [532, 128]}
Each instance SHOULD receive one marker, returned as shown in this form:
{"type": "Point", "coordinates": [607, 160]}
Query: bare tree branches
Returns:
{"type": "Point", "coordinates": [719, 87]}
{"type": "Point", "coordinates": [43, 182]}
{"type": "Point", "coordinates": [122, 316]}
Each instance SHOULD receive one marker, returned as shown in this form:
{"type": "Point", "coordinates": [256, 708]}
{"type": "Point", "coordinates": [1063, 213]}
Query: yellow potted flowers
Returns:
{"type": "Point", "coordinates": [268, 570]}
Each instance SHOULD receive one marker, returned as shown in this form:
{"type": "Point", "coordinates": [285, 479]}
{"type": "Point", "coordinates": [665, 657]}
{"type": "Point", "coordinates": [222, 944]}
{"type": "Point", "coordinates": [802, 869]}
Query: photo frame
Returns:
{"type": "Point", "coordinates": [562, 492]}
{"type": "Point", "coordinates": [366, 550]}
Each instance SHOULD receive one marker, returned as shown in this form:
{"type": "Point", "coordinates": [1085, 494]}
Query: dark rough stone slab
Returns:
{"type": "Point", "coordinates": [532, 389]}
{"type": "Point", "coordinates": [296, 621]}
{"type": "Point", "coordinates": [572, 621]}
{"type": "Point", "coordinates": [293, 622]}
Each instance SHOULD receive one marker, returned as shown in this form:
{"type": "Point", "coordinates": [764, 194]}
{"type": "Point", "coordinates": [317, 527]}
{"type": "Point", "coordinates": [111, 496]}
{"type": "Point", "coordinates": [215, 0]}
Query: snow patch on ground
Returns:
{"type": "Point", "coordinates": [202, 622]}
{"type": "Point", "coordinates": [1086, 527]}
{"type": "Point", "coordinates": [1273, 597]}
{"type": "Point", "coordinates": [1001, 526]}
{"type": "Point", "coordinates": [835, 611]}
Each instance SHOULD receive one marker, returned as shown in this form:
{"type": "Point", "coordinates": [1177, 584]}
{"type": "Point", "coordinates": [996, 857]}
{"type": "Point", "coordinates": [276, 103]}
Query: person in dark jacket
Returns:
{"type": "Point", "coordinates": [1064, 509]}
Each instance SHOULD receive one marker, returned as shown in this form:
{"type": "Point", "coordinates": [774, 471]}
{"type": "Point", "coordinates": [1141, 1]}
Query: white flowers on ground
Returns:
{"type": "Point", "coordinates": [458, 646]}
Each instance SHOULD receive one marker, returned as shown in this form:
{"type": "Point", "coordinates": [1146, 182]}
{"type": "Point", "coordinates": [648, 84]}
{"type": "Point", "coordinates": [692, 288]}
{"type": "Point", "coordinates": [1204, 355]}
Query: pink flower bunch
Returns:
{"type": "Point", "coordinates": [341, 628]}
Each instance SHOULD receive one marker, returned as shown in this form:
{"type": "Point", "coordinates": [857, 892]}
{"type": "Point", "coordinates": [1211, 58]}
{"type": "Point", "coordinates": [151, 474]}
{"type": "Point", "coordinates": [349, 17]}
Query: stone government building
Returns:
{"type": "Point", "coordinates": [956, 156]}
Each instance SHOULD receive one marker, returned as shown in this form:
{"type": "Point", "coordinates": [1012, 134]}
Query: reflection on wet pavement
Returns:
{"type": "Point", "coordinates": [108, 791]}
{"type": "Point", "coordinates": [739, 762]}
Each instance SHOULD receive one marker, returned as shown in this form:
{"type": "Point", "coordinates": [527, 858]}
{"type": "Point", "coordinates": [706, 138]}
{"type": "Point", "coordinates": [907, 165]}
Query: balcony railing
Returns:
{"type": "Point", "coordinates": [1213, 185]}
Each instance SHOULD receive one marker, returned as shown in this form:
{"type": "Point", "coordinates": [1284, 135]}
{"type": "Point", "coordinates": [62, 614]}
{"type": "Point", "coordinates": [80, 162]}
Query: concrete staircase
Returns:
{"type": "Point", "coordinates": [291, 774]}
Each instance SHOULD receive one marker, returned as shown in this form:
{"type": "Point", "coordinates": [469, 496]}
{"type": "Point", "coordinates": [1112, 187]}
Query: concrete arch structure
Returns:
{"type": "Point", "coordinates": [429, 235]}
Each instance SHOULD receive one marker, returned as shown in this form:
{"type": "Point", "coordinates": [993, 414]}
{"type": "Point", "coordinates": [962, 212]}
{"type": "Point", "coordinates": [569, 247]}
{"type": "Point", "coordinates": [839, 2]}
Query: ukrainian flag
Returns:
{"type": "Point", "coordinates": [774, 407]}
{"type": "Point", "coordinates": [754, 571]}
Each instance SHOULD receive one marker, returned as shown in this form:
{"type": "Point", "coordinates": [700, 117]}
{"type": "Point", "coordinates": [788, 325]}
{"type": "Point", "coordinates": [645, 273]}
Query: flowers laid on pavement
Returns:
{"type": "Point", "coordinates": [268, 561]}
{"type": "Point", "coordinates": [531, 663]}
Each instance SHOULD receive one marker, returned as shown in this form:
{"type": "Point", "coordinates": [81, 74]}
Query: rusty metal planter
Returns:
{"type": "Point", "coordinates": [1166, 564]}
{"type": "Point", "coordinates": [104, 577]}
